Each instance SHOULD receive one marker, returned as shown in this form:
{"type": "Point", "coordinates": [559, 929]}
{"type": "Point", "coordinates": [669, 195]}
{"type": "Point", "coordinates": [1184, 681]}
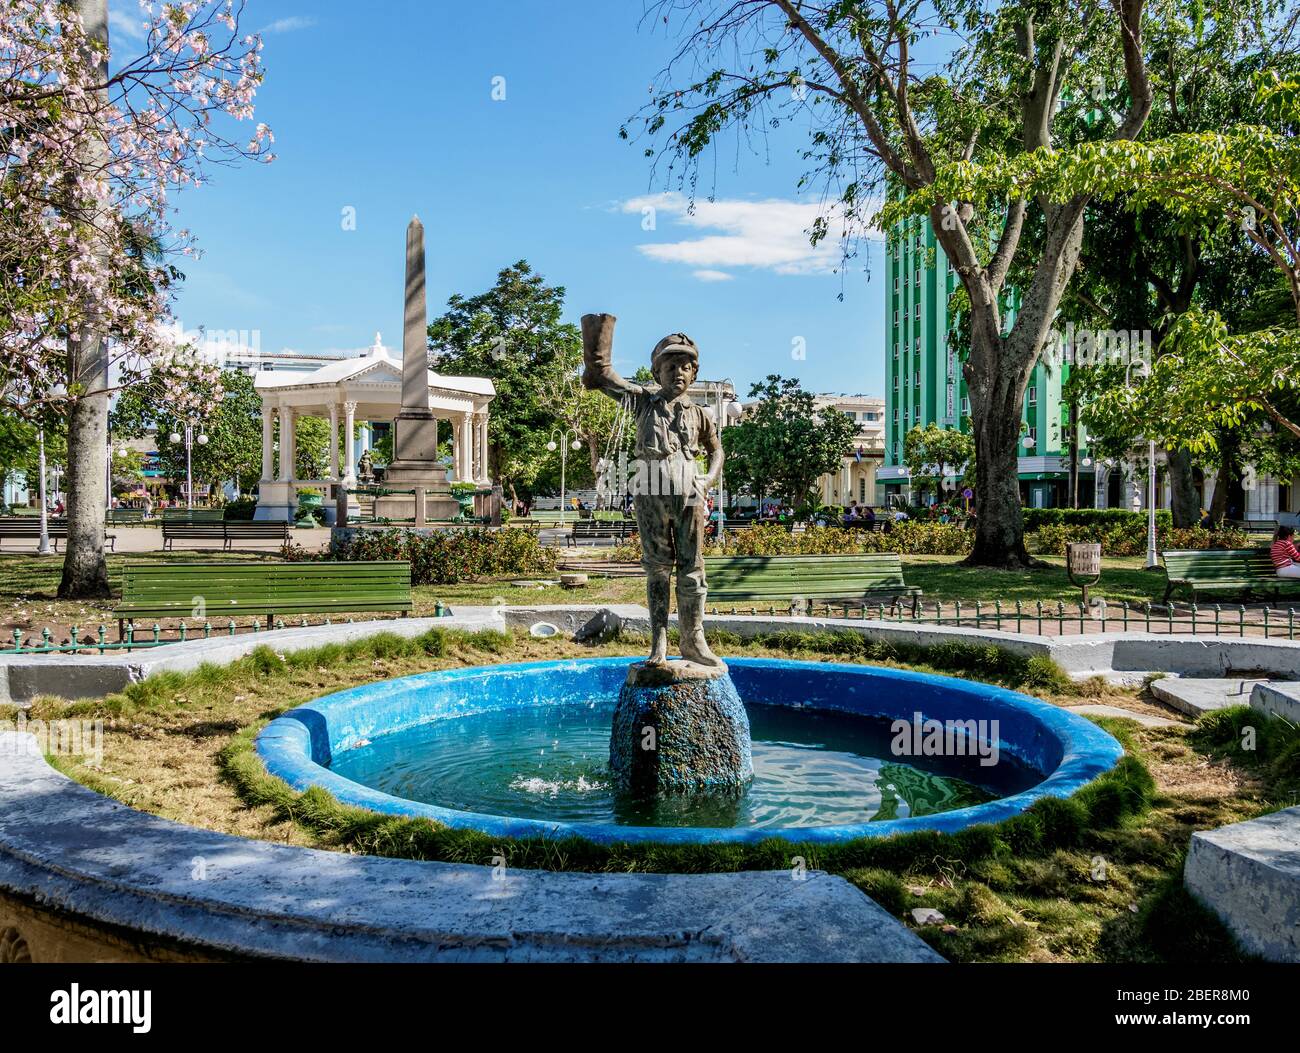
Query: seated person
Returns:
{"type": "Point", "coordinates": [1286, 557]}
{"type": "Point", "coordinates": [869, 514]}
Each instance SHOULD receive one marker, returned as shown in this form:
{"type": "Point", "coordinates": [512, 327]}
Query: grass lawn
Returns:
{"type": "Point", "coordinates": [28, 585]}
{"type": "Point", "coordinates": [1093, 881]}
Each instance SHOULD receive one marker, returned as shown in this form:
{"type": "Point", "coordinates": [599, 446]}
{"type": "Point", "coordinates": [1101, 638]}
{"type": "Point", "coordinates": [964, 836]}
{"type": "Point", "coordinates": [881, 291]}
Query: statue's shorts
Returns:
{"type": "Point", "coordinates": [672, 529]}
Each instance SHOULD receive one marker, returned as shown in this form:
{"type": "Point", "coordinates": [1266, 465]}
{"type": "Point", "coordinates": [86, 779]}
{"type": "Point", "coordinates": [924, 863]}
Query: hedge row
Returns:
{"type": "Point", "coordinates": [1100, 518]}
{"type": "Point", "coordinates": [1130, 539]}
{"type": "Point", "coordinates": [445, 557]}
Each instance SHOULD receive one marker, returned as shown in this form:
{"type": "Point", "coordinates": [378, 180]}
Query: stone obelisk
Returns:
{"type": "Point", "coordinates": [415, 463]}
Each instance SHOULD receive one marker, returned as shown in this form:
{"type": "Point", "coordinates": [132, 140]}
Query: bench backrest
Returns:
{"type": "Point", "coordinates": [1210, 565]}
{"type": "Point", "coordinates": [782, 577]}
{"type": "Point", "coordinates": [193, 515]}
{"type": "Point", "coordinates": [215, 591]}
{"type": "Point", "coordinates": [25, 527]}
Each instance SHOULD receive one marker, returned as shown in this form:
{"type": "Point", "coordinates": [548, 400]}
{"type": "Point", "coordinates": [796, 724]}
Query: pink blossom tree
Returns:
{"type": "Point", "coordinates": [92, 146]}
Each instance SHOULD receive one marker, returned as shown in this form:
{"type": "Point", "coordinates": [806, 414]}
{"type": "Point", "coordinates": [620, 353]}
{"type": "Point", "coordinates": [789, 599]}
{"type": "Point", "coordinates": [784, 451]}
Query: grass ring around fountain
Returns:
{"type": "Point", "coordinates": [1067, 750]}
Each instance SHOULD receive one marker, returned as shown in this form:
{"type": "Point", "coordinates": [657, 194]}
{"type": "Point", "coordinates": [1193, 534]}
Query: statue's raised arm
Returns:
{"type": "Point", "coordinates": [597, 357]}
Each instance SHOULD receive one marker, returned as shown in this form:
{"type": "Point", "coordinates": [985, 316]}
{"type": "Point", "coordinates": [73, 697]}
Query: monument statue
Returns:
{"type": "Point", "coordinates": [415, 463]}
{"type": "Point", "coordinates": [689, 709]}
{"type": "Point", "coordinates": [366, 468]}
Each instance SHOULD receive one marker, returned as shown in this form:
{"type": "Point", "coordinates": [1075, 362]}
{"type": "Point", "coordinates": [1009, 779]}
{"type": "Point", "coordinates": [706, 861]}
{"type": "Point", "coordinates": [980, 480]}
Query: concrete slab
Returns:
{"type": "Point", "coordinates": [1278, 698]}
{"type": "Point", "coordinates": [1249, 875]}
{"type": "Point", "coordinates": [75, 854]}
{"type": "Point", "coordinates": [1147, 720]}
{"type": "Point", "coordinates": [1197, 695]}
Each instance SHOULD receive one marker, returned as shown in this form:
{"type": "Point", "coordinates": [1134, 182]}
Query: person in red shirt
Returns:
{"type": "Point", "coordinates": [1286, 558]}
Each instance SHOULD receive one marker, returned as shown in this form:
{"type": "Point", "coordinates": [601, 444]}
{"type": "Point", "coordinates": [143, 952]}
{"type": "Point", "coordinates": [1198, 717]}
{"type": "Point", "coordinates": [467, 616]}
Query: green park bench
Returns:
{"type": "Point", "coordinates": [124, 517]}
{"type": "Point", "coordinates": [211, 591]}
{"type": "Point", "coordinates": [193, 515]}
{"type": "Point", "coordinates": [601, 529]}
{"type": "Point", "coordinates": [870, 577]}
{"type": "Point", "coordinates": [226, 531]}
{"type": "Point", "coordinates": [1243, 571]}
{"type": "Point", "coordinates": [28, 528]}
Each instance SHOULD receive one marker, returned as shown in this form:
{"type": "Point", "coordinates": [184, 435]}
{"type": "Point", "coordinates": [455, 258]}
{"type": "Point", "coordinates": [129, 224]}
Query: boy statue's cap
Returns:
{"type": "Point", "coordinates": [674, 344]}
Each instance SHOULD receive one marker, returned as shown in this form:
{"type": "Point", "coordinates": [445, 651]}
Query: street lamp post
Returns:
{"type": "Point", "coordinates": [568, 440]}
{"type": "Point", "coordinates": [108, 475]}
{"type": "Point", "coordinates": [1153, 559]}
{"type": "Point", "coordinates": [725, 410]}
{"type": "Point", "coordinates": [44, 547]}
{"type": "Point", "coordinates": [189, 450]}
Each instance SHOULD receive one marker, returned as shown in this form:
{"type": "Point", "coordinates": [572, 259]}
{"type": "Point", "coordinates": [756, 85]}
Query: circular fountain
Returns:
{"type": "Point", "coordinates": [838, 752]}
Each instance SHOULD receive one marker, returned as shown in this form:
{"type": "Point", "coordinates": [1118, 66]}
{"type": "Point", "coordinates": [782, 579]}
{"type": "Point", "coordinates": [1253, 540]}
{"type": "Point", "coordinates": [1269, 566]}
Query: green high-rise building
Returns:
{"type": "Point", "coordinates": [923, 379]}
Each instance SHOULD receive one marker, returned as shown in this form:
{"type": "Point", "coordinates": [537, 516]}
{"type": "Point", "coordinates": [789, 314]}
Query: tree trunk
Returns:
{"type": "Point", "coordinates": [999, 524]}
{"type": "Point", "coordinates": [85, 573]}
{"type": "Point", "coordinates": [1227, 462]}
{"type": "Point", "coordinates": [1185, 503]}
{"type": "Point", "coordinates": [996, 394]}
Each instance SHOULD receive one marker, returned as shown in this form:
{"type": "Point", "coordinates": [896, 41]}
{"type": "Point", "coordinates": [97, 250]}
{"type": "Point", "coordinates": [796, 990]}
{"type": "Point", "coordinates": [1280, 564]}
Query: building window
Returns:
{"type": "Point", "coordinates": [895, 414]}
{"type": "Point", "coordinates": [916, 311]}
{"type": "Point", "coordinates": [895, 283]}
{"type": "Point", "coordinates": [895, 381]}
{"type": "Point", "coordinates": [965, 405]}
{"type": "Point", "coordinates": [918, 275]}
{"type": "Point", "coordinates": [896, 316]}
{"type": "Point", "coordinates": [895, 350]}
{"type": "Point", "coordinates": [916, 378]}
{"type": "Point", "coordinates": [1033, 396]}
{"type": "Point", "coordinates": [1033, 434]}
{"type": "Point", "coordinates": [862, 491]}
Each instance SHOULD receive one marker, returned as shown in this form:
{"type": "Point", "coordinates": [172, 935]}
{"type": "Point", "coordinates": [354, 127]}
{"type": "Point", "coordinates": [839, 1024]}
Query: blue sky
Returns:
{"type": "Point", "coordinates": [386, 108]}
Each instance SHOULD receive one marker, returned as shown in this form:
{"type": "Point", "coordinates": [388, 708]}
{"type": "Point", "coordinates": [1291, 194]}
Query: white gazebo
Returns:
{"type": "Point", "coordinates": [367, 388]}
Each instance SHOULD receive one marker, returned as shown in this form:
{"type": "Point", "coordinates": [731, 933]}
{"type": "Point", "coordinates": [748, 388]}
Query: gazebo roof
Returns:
{"type": "Point", "coordinates": [377, 366]}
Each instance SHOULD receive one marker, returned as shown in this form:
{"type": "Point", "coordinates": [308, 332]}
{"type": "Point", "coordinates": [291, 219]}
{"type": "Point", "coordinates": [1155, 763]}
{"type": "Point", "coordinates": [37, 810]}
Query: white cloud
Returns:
{"type": "Point", "coordinates": [130, 25]}
{"type": "Point", "coordinates": [288, 25]}
{"type": "Point", "coordinates": [713, 276]}
{"type": "Point", "coordinates": [770, 234]}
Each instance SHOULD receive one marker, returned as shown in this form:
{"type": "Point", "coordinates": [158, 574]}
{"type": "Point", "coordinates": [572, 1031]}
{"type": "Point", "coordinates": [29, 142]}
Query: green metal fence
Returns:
{"type": "Point", "coordinates": [137, 637]}
{"type": "Point", "coordinates": [1059, 618]}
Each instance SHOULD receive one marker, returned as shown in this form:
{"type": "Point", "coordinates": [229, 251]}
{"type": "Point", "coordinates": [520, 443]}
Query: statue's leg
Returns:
{"type": "Point", "coordinates": [652, 521]}
{"type": "Point", "coordinates": [692, 590]}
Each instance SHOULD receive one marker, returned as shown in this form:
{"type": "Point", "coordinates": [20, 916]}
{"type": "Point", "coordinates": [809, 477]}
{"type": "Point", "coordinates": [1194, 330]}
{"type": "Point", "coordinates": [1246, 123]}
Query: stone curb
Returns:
{"type": "Point", "coordinates": [1249, 875]}
{"type": "Point", "coordinates": [1122, 657]}
{"type": "Point", "coordinates": [73, 853]}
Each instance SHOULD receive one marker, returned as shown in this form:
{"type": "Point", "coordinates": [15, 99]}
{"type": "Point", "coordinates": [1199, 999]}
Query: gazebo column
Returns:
{"type": "Point", "coordinates": [268, 442]}
{"type": "Point", "coordinates": [288, 443]}
{"type": "Point", "coordinates": [481, 469]}
{"type": "Point", "coordinates": [464, 449]}
{"type": "Point", "coordinates": [349, 452]}
{"type": "Point", "coordinates": [334, 441]}
{"type": "Point", "coordinates": [285, 416]}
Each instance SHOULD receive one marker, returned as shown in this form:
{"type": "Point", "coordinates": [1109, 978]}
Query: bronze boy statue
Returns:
{"type": "Point", "coordinates": [671, 492]}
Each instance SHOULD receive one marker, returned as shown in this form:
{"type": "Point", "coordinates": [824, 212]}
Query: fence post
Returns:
{"type": "Point", "coordinates": [1241, 619]}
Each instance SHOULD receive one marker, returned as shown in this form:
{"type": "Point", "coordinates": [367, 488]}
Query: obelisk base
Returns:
{"type": "Point", "coordinates": [684, 731]}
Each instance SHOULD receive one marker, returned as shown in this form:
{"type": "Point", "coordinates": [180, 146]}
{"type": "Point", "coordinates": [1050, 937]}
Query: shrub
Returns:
{"type": "Point", "coordinates": [445, 557]}
{"type": "Point", "coordinates": [1129, 538]}
{"type": "Point", "coordinates": [241, 508]}
{"type": "Point", "coordinates": [1102, 518]}
{"type": "Point", "coordinates": [930, 539]}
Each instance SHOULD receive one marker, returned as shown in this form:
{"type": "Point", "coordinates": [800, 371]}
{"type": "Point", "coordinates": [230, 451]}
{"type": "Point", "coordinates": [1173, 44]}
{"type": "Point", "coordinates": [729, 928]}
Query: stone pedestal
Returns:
{"type": "Point", "coordinates": [415, 464]}
{"type": "Point", "coordinates": [679, 728]}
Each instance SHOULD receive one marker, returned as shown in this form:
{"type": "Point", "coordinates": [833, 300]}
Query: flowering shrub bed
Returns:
{"type": "Point", "coordinates": [445, 557]}
{"type": "Point", "coordinates": [1130, 539]}
{"type": "Point", "coordinates": [934, 539]}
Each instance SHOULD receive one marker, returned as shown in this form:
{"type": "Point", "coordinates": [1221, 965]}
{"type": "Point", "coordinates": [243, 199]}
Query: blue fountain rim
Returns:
{"type": "Point", "coordinates": [297, 746]}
